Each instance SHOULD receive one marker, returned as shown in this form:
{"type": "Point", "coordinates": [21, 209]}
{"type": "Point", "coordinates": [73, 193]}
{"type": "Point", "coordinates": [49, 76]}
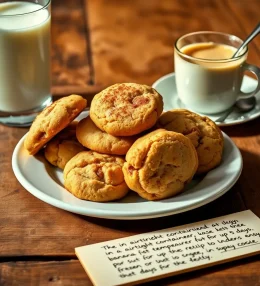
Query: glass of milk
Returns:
{"type": "Point", "coordinates": [25, 82]}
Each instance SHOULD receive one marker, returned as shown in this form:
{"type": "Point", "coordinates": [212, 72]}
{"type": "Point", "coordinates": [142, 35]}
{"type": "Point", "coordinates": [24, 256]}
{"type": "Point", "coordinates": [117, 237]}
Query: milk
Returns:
{"type": "Point", "coordinates": [24, 56]}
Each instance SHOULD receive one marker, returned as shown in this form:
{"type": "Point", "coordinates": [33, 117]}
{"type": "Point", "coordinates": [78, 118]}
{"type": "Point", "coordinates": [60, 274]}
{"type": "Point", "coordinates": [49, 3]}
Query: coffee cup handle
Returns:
{"type": "Point", "coordinates": [256, 71]}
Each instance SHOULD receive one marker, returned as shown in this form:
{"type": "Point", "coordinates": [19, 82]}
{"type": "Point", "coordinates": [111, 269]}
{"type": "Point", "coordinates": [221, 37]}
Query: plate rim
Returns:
{"type": "Point", "coordinates": [235, 122]}
{"type": "Point", "coordinates": [116, 214]}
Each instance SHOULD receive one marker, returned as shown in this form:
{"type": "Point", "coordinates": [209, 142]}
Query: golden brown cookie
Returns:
{"type": "Point", "coordinates": [203, 132]}
{"type": "Point", "coordinates": [62, 147]}
{"type": "Point", "coordinates": [90, 136]}
{"type": "Point", "coordinates": [126, 109]}
{"type": "Point", "coordinates": [159, 164]}
{"type": "Point", "coordinates": [95, 177]}
{"type": "Point", "coordinates": [52, 120]}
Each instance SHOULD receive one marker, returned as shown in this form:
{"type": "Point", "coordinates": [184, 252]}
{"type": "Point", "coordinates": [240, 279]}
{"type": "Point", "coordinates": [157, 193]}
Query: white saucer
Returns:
{"type": "Point", "coordinates": [167, 88]}
{"type": "Point", "coordinates": [46, 183]}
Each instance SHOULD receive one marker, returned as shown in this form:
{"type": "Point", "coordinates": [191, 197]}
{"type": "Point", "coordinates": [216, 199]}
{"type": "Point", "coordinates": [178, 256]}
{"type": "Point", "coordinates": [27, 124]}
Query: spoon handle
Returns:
{"type": "Point", "coordinates": [225, 115]}
{"type": "Point", "coordinates": [254, 33]}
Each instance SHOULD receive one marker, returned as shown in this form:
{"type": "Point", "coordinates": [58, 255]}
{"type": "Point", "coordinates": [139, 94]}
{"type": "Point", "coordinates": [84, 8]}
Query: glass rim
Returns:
{"type": "Point", "coordinates": [27, 13]}
{"type": "Point", "coordinates": [210, 60]}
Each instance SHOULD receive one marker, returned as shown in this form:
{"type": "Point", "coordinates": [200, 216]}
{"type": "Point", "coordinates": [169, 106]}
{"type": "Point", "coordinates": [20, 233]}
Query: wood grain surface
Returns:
{"type": "Point", "coordinates": [135, 43]}
{"type": "Point", "coordinates": [70, 61]}
{"type": "Point", "coordinates": [71, 273]}
{"type": "Point", "coordinates": [96, 43]}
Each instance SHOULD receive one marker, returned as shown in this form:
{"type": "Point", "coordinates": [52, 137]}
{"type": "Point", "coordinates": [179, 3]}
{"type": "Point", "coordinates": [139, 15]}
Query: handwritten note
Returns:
{"type": "Point", "coordinates": [171, 251]}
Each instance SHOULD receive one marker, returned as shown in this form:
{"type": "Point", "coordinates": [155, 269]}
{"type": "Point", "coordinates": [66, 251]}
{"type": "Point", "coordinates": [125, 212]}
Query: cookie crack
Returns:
{"type": "Point", "coordinates": [213, 158]}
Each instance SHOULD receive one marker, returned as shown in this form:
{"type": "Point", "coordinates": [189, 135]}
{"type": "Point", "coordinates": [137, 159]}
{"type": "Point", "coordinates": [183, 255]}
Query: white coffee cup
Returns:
{"type": "Point", "coordinates": [212, 84]}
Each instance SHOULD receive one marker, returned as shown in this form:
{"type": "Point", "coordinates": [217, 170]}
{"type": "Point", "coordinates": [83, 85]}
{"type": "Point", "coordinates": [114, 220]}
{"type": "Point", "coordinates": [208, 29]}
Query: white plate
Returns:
{"type": "Point", "coordinates": [167, 88]}
{"type": "Point", "coordinates": [46, 183]}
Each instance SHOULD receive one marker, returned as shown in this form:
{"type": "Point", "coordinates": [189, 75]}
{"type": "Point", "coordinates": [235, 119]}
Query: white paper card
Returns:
{"type": "Point", "coordinates": [171, 251]}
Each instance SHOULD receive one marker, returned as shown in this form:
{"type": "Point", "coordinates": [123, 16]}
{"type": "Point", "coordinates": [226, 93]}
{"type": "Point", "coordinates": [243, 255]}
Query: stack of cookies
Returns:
{"type": "Point", "coordinates": [126, 143]}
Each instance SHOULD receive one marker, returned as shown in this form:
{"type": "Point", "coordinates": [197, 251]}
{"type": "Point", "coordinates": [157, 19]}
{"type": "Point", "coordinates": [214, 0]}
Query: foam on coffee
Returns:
{"type": "Point", "coordinates": [209, 51]}
{"type": "Point", "coordinates": [207, 79]}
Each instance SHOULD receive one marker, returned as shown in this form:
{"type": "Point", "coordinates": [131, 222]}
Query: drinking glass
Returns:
{"type": "Point", "coordinates": [25, 81]}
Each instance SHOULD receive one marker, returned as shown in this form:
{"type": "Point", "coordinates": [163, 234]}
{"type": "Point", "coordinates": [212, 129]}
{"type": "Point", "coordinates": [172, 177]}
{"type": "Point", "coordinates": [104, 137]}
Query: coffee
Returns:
{"type": "Point", "coordinates": [208, 79]}
{"type": "Point", "coordinates": [209, 51]}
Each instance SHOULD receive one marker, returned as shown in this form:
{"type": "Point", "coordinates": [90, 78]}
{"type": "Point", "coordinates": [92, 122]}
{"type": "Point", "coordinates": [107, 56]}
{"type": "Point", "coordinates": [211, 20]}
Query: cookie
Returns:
{"type": "Point", "coordinates": [126, 109]}
{"type": "Point", "coordinates": [63, 146]}
{"type": "Point", "coordinates": [95, 177]}
{"type": "Point", "coordinates": [205, 135]}
{"type": "Point", "coordinates": [159, 164]}
{"type": "Point", "coordinates": [90, 136]}
{"type": "Point", "coordinates": [52, 120]}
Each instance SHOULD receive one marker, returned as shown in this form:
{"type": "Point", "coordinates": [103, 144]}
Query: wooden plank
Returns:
{"type": "Point", "coordinates": [239, 273]}
{"type": "Point", "coordinates": [246, 14]}
{"type": "Point", "coordinates": [87, 92]}
{"type": "Point", "coordinates": [246, 137]}
{"type": "Point", "coordinates": [43, 273]}
{"type": "Point", "coordinates": [70, 64]}
{"type": "Point", "coordinates": [135, 44]}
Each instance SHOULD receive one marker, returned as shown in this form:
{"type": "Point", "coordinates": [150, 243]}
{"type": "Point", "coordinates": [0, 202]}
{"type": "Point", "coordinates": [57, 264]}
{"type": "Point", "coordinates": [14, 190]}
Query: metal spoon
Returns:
{"type": "Point", "coordinates": [242, 105]}
{"type": "Point", "coordinates": [254, 33]}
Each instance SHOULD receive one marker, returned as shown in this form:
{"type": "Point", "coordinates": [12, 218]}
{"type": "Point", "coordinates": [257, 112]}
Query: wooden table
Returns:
{"type": "Point", "coordinates": [96, 43]}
